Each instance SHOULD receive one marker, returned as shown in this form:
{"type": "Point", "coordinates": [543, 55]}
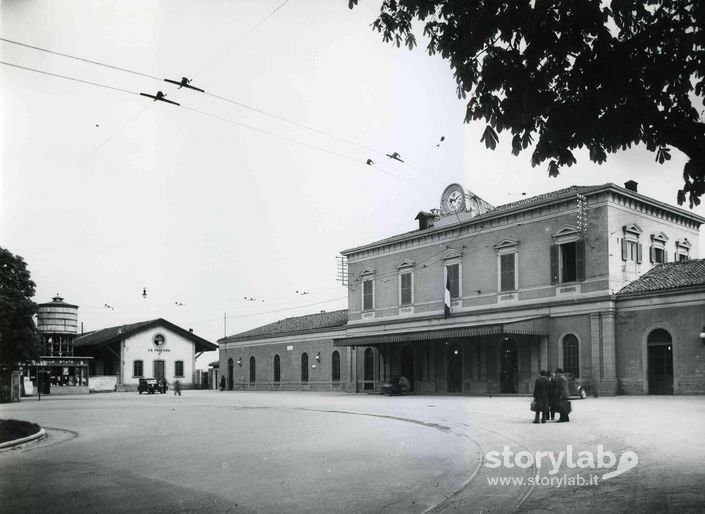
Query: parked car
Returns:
{"type": "Point", "coordinates": [150, 386]}
{"type": "Point", "coordinates": [575, 386]}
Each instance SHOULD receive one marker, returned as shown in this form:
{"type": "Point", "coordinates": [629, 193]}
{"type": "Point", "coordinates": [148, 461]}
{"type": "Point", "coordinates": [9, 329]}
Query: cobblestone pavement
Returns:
{"type": "Point", "coordinates": [209, 451]}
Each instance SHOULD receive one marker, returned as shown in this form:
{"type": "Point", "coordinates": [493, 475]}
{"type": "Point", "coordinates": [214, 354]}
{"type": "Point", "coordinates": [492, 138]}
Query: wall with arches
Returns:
{"type": "Point", "coordinates": [683, 320]}
{"type": "Point", "coordinates": [317, 354]}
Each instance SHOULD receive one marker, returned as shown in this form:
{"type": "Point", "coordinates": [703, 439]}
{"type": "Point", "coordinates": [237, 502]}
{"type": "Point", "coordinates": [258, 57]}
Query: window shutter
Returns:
{"type": "Point", "coordinates": [665, 256]}
{"type": "Point", "coordinates": [652, 254]}
{"type": "Point", "coordinates": [580, 260]}
{"type": "Point", "coordinates": [639, 252]}
{"type": "Point", "coordinates": [624, 249]}
{"type": "Point", "coordinates": [554, 264]}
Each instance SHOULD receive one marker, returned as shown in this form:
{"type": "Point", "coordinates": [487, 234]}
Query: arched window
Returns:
{"type": "Point", "coordinates": [335, 366]}
{"type": "Point", "coordinates": [571, 355]}
{"type": "Point", "coordinates": [230, 374]}
{"type": "Point", "coordinates": [252, 370]}
{"type": "Point", "coordinates": [277, 369]}
{"type": "Point", "coordinates": [304, 367]}
{"type": "Point", "coordinates": [659, 336]}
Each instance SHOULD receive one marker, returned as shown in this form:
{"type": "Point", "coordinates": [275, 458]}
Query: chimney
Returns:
{"type": "Point", "coordinates": [426, 219]}
{"type": "Point", "coordinates": [631, 185]}
{"type": "Point", "coordinates": [190, 330]}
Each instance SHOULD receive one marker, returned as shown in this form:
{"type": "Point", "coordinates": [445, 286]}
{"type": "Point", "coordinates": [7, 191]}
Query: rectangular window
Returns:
{"type": "Point", "coordinates": [367, 295]}
{"type": "Point", "coordinates": [568, 262]}
{"type": "Point", "coordinates": [631, 251]}
{"type": "Point", "coordinates": [405, 285]}
{"type": "Point", "coordinates": [453, 275]}
{"type": "Point", "coordinates": [179, 368]}
{"type": "Point", "coordinates": [568, 268]}
{"type": "Point", "coordinates": [506, 271]}
{"type": "Point", "coordinates": [658, 255]}
{"type": "Point", "coordinates": [137, 369]}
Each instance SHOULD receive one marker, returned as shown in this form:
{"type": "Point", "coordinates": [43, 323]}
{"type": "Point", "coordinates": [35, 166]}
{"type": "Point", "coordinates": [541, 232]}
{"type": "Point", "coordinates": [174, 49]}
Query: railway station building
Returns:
{"type": "Point", "coordinates": [598, 280]}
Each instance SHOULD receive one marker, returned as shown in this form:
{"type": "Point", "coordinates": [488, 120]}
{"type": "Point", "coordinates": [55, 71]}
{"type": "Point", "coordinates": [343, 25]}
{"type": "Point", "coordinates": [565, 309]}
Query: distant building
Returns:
{"type": "Point", "coordinates": [58, 370]}
{"type": "Point", "coordinates": [157, 348]}
{"type": "Point", "coordinates": [598, 280]}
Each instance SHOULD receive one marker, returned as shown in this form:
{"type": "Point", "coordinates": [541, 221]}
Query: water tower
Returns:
{"type": "Point", "coordinates": [57, 322]}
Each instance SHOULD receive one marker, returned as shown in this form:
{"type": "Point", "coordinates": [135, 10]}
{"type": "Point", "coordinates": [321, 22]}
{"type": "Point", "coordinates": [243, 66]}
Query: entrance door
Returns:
{"type": "Point", "coordinates": [455, 369]}
{"type": "Point", "coordinates": [660, 366]}
{"type": "Point", "coordinates": [368, 370]}
{"type": "Point", "coordinates": [158, 369]}
{"type": "Point", "coordinates": [407, 365]}
{"type": "Point", "coordinates": [510, 367]}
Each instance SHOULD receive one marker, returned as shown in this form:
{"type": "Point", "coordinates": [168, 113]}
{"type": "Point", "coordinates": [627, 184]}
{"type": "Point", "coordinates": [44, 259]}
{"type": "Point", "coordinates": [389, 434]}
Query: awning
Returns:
{"type": "Point", "coordinates": [526, 326]}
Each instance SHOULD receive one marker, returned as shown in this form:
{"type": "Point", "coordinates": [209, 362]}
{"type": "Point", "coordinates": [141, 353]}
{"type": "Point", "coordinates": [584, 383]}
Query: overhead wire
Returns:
{"type": "Point", "coordinates": [69, 78]}
{"type": "Point", "coordinates": [247, 33]}
{"type": "Point", "coordinates": [229, 100]}
{"type": "Point", "coordinates": [69, 56]}
{"type": "Point", "coordinates": [296, 141]}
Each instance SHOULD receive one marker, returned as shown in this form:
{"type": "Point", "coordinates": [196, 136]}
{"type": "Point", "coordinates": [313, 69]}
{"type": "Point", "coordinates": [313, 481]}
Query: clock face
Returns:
{"type": "Point", "coordinates": [453, 199]}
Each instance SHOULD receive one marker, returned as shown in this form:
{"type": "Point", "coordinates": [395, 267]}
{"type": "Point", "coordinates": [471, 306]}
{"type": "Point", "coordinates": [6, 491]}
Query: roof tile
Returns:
{"type": "Point", "coordinates": [320, 321]}
{"type": "Point", "coordinates": [672, 275]}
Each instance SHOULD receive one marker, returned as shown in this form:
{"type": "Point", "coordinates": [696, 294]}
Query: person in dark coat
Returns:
{"type": "Point", "coordinates": [222, 383]}
{"type": "Point", "coordinates": [541, 396]}
{"type": "Point", "coordinates": [553, 396]}
{"type": "Point", "coordinates": [563, 394]}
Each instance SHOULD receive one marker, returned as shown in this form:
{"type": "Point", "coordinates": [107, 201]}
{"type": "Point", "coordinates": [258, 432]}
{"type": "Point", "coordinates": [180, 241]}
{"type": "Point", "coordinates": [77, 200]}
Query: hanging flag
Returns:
{"type": "Point", "coordinates": [446, 307]}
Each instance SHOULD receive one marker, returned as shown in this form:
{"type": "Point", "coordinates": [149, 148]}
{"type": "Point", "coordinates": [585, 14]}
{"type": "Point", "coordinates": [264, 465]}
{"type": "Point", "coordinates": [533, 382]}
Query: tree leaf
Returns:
{"type": "Point", "coordinates": [489, 137]}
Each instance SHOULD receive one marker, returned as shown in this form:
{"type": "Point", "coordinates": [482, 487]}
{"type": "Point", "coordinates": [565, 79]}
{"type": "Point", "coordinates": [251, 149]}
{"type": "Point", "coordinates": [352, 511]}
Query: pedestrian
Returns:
{"type": "Point", "coordinates": [553, 396]}
{"type": "Point", "coordinates": [177, 388]}
{"type": "Point", "coordinates": [541, 396]}
{"type": "Point", "coordinates": [222, 383]}
{"type": "Point", "coordinates": [563, 394]}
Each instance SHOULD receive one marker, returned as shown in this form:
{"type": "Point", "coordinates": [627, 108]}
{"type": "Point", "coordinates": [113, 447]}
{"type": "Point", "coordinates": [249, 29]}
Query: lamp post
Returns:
{"type": "Point", "coordinates": [702, 334]}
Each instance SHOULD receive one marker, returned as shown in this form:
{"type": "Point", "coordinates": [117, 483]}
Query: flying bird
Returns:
{"type": "Point", "coordinates": [395, 156]}
{"type": "Point", "coordinates": [370, 162]}
{"type": "Point", "coordinates": [302, 292]}
{"type": "Point", "coordinates": [109, 307]}
{"type": "Point", "coordinates": [443, 138]}
{"type": "Point", "coordinates": [159, 96]}
{"type": "Point", "coordinates": [184, 82]}
{"type": "Point", "coordinates": [179, 304]}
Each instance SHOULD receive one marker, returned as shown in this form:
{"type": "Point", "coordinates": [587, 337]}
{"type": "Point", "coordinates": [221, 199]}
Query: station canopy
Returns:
{"type": "Point", "coordinates": [536, 326]}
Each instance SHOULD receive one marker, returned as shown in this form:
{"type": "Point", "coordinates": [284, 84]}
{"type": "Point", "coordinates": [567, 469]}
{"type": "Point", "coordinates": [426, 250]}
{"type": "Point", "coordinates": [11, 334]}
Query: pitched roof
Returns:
{"type": "Point", "coordinates": [112, 334]}
{"type": "Point", "coordinates": [308, 323]}
{"type": "Point", "coordinates": [501, 208]}
{"type": "Point", "coordinates": [543, 197]}
{"type": "Point", "coordinates": [672, 275]}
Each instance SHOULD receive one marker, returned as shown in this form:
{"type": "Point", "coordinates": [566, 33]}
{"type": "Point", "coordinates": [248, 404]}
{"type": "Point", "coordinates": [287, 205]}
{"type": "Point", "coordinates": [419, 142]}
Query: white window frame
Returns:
{"type": "Point", "coordinates": [566, 235]}
{"type": "Point", "coordinates": [367, 275]}
{"type": "Point", "coordinates": [632, 235]}
{"type": "Point", "coordinates": [505, 247]}
{"type": "Point", "coordinates": [406, 267]}
{"type": "Point", "coordinates": [460, 278]}
{"type": "Point", "coordinates": [683, 247]}
{"type": "Point", "coordinates": [658, 242]}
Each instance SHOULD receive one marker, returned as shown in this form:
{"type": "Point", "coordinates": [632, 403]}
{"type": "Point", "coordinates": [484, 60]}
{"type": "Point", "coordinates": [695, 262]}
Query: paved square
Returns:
{"type": "Point", "coordinates": [209, 451]}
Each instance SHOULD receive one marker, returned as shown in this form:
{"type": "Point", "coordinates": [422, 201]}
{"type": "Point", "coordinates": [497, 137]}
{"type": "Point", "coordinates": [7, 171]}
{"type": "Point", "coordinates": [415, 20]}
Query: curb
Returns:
{"type": "Point", "coordinates": [38, 435]}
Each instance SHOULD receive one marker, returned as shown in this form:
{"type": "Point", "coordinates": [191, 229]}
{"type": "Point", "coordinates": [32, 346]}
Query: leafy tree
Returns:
{"type": "Point", "coordinates": [18, 334]}
{"type": "Point", "coordinates": [566, 74]}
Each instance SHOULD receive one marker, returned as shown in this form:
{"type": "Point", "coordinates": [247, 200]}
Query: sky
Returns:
{"type": "Point", "coordinates": [249, 190]}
